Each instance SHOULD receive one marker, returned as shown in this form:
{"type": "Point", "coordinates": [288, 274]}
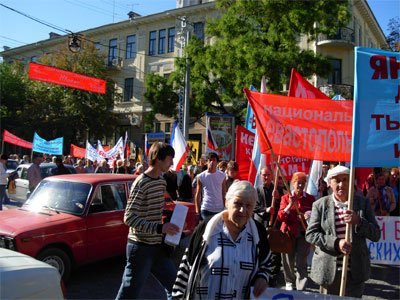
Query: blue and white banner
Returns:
{"type": "Point", "coordinates": [92, 153]}
{"type": "Point", "coordinates": [54, 147]}
{"type": "Point", "coordinates": [387, 250]}
{"type": "Point", "coordinates": [376, 124]}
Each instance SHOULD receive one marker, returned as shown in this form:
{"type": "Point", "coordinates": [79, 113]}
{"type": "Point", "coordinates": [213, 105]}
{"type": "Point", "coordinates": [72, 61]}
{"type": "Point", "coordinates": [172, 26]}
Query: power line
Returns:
{"type": "Point", "coordinates": [37, 20]}
{"type": "Point", "coordinates": [92, 8]}
{"type": "Point", "coordinates": [66, 31]}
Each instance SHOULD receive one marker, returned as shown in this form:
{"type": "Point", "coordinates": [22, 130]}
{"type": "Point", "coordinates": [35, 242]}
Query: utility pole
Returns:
{"type": "Point", "coordinates": [185, 36]}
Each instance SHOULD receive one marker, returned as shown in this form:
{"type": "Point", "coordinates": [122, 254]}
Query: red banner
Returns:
{"type": "Point", "coordinates": [308, 128]}
{"type": "Point", "coordinates": [244, 147]}
{"type": "Point", "coordinates": [299, 87]}
{"type": "Point", "coordinates": [13, 139]}
{"type": "Point", "coordinates": [76, 151]}
{"type": "Point", "coordinates": [66, 78]}
{"type": "Point", "coordinates": [291, 164]}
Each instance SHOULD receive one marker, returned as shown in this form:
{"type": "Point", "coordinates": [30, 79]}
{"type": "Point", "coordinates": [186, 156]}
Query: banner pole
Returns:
{"type": "Point", "coordinates": [348, 236]}
{"type": "Point", "coordinates": [275, 188]}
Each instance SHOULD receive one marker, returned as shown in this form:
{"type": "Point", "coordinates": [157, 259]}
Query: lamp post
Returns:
{"type": "Point", "coordinates": [186, 95]}
{"type": "Point", "coordinates": [74, 43]}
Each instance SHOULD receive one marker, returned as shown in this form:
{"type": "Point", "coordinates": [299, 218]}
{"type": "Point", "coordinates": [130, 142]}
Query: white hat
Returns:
{"type": "Point", "coordinates": [338, 170]}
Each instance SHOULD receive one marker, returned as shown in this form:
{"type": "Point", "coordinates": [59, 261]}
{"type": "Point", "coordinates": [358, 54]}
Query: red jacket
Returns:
{"type": "Point", "coordinates": [290, 221]}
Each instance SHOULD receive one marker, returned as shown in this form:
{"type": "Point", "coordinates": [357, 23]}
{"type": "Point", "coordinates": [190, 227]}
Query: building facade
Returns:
{"type": "Point", "coordinates": [150, 44]}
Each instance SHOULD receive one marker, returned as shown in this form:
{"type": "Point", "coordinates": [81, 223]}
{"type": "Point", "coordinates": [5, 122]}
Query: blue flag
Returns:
{"type": "Point", "coordinates": [376, 134]}
{"type": "Point", "coordinates": [49, 147]}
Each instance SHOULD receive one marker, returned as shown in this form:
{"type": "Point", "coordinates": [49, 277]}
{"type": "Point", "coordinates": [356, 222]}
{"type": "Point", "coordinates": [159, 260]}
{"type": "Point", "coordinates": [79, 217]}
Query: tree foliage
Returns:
{"type": "Point", "coordinates": [249, 40]}
{"type": "Point", "coordinates": [393, 38]}
{"type": "Point", "coordinates": [53, 111]}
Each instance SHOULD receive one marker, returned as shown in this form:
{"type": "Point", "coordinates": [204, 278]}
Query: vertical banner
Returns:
{"type": "Point", "coordinates": [244, 149]}
{"type": "Point", "coordinates": [376, 126]}
{"type": "Point", "coordinates": [221, 128]}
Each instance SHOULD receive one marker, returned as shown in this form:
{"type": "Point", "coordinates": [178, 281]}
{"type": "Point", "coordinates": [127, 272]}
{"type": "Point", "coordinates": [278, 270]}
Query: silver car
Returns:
{"type": "Point", "coordinates": [22, 183]}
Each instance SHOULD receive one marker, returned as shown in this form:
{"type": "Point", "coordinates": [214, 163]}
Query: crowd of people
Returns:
{"type": "Point", "coordinates": [229, 251]}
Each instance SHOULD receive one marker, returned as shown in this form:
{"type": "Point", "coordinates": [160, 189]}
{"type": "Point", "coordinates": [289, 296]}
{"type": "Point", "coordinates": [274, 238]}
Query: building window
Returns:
{"type": "Point", "coordinates": [157, 127]}
{"type": "Point", "coordinates": [34, 59]}
{"type": "Point", "coordinates": [130, 46]}
{"type": "Point", "coordinates": [97, 45]}
{"type": "Point", "coordinates": [112, 51]}
{"type": "Point", "coordinates": [128, 89]}
{"type": "Point", "coordinates": [152, 43]}
{"type": "Point", "coordinates": [161, 41]}
{"type": "Point", "coordinates": [167, 127]}
{"type": "Point", "coordinates": [171, 39]}
{"type": "Point", "coordinates": [199, 30]}
{"type": "Point", "coordinates": [360, 42]}
{"type": "Point", "coordinates": [336, 76]}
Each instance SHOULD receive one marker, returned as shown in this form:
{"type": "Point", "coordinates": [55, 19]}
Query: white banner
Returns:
{"type": "Point", "coordinates": [387, 250]}
{"type": "Point", "coordinates": [275, 294]}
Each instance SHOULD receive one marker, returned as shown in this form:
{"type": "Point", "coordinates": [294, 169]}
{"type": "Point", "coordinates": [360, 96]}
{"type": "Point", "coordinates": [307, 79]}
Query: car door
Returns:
{"type": "Point", "coordinates": [107, 233]}
{"type": "Point", "coordinates": [21, 185]}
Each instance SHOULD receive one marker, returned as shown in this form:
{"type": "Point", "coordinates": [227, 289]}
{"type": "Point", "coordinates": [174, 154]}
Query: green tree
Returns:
{"type": "Point", "coordinates": [393, 38]}
{"type": "Point", "coordinates": [54, 111]}
{"type": "Point", "coordinates": [252, 39]}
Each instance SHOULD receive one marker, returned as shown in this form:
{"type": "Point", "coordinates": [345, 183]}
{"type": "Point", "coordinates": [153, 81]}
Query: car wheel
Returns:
{"type": "Point", "coordinates": [57, 258]}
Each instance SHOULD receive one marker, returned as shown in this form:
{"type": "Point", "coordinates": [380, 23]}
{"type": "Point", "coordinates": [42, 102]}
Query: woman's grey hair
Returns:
{"type": "Point", "coordinates": [241, 189]}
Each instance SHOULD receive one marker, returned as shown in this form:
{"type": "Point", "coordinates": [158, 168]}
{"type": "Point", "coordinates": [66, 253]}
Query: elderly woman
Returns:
{"type": "Point", "coordinates": [295, 209]}
{"type": "Point", "coordinates": [227, 253]}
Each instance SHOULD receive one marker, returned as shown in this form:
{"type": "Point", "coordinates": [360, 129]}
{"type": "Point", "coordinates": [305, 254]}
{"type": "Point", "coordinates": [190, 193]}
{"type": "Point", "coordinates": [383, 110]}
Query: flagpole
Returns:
{"type": "Point", "coordinates": [348, 236]}
{"type": "Point", "coordinates": [275, 188]}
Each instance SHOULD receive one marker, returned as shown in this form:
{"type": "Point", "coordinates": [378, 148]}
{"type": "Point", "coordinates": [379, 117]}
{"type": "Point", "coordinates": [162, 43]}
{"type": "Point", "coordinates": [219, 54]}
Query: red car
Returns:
{"type": "Point", "coordinates": [74, 219]}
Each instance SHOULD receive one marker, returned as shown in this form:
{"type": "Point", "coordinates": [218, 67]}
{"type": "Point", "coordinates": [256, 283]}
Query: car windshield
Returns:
{"type": "Point", "coordinates": [61, 196]}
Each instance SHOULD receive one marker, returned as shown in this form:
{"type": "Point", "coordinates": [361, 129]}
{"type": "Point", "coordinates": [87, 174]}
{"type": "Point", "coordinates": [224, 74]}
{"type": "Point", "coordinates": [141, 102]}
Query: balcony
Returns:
{"type": "Point", "coordinates": [114, 64]}
{"type": "Point", "coordinates": [344, 38]}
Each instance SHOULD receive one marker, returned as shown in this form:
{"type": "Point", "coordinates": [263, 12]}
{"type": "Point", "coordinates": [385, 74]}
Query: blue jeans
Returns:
{"type": "Point", "coordinates": [205, 214]}
{"type": "Point", "coordinates": [143, 259]}
{"type": "Point", "coordinates": [2, 195]}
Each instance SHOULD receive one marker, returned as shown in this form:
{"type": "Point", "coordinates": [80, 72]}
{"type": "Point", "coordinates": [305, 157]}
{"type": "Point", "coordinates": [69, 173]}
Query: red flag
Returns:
{"type": "Point", "coordinates": [76, 151]}
{"type": "Point", "coordinates": [13, 139]}
{"type": "Point", "coordinates": [299, 87]}
{"type": "Point", "coordinates": [297, 127]}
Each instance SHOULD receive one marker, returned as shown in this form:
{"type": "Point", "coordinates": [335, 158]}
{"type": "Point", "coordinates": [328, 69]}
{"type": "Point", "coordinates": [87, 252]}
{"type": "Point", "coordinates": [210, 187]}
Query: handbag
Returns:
{"type": "Point", "coordinates": [280, 241]}
{"type": "Point", "coordinates": [11, 187]}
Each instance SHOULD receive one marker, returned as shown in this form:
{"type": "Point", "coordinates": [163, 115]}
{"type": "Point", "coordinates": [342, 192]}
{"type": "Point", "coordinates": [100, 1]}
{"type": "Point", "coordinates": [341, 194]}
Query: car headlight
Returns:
{"type": "Point", "coordinates": [8, 243]}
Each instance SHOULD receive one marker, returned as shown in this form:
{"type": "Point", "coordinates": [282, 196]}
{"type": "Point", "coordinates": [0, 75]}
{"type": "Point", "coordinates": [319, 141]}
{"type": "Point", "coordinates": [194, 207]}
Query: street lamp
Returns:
{"type": "Point", "coordinates": [74, 43]}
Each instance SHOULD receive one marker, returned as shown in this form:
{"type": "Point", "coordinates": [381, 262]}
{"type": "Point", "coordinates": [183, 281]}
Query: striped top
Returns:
{"type": "Point", "coordinates": [340, 225]}
{"type": "Point", "coordinates": [227, 266]}
{"type": "Point", "coordinates": [144, 209]}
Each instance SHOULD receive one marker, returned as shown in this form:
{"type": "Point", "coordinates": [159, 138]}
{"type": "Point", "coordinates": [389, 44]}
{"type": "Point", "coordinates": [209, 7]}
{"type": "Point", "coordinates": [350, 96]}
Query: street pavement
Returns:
{"type": "Point", "coordinates": [101, 280]}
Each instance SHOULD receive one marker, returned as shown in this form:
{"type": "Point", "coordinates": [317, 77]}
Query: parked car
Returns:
{"type": "Point", "coordinates": [23, 277]}
{"type": "Point", "coordinates": [70, 220]}
{"type": "Point", "coordinates": [22, 183]}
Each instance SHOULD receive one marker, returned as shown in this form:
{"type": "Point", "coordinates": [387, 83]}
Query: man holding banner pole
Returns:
{"type": "Point", "coordinates": [327, 231]}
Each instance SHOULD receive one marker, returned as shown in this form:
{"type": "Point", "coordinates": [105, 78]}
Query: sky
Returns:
{"type": "Point", "coordinates": [77, 15]}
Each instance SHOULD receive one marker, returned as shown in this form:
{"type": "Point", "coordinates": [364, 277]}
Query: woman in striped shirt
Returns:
{"type": "Point", "coordinates": [227, 253]}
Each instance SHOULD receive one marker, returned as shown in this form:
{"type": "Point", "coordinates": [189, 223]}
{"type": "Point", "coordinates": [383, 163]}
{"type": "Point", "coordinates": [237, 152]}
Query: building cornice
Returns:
{"type": "Point", "coordinates": [365, 10]}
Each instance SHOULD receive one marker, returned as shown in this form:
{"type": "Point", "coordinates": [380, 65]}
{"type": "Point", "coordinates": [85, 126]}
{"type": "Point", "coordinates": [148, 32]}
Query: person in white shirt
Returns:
{"type": "Point", "coordinates": [211, 189]}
